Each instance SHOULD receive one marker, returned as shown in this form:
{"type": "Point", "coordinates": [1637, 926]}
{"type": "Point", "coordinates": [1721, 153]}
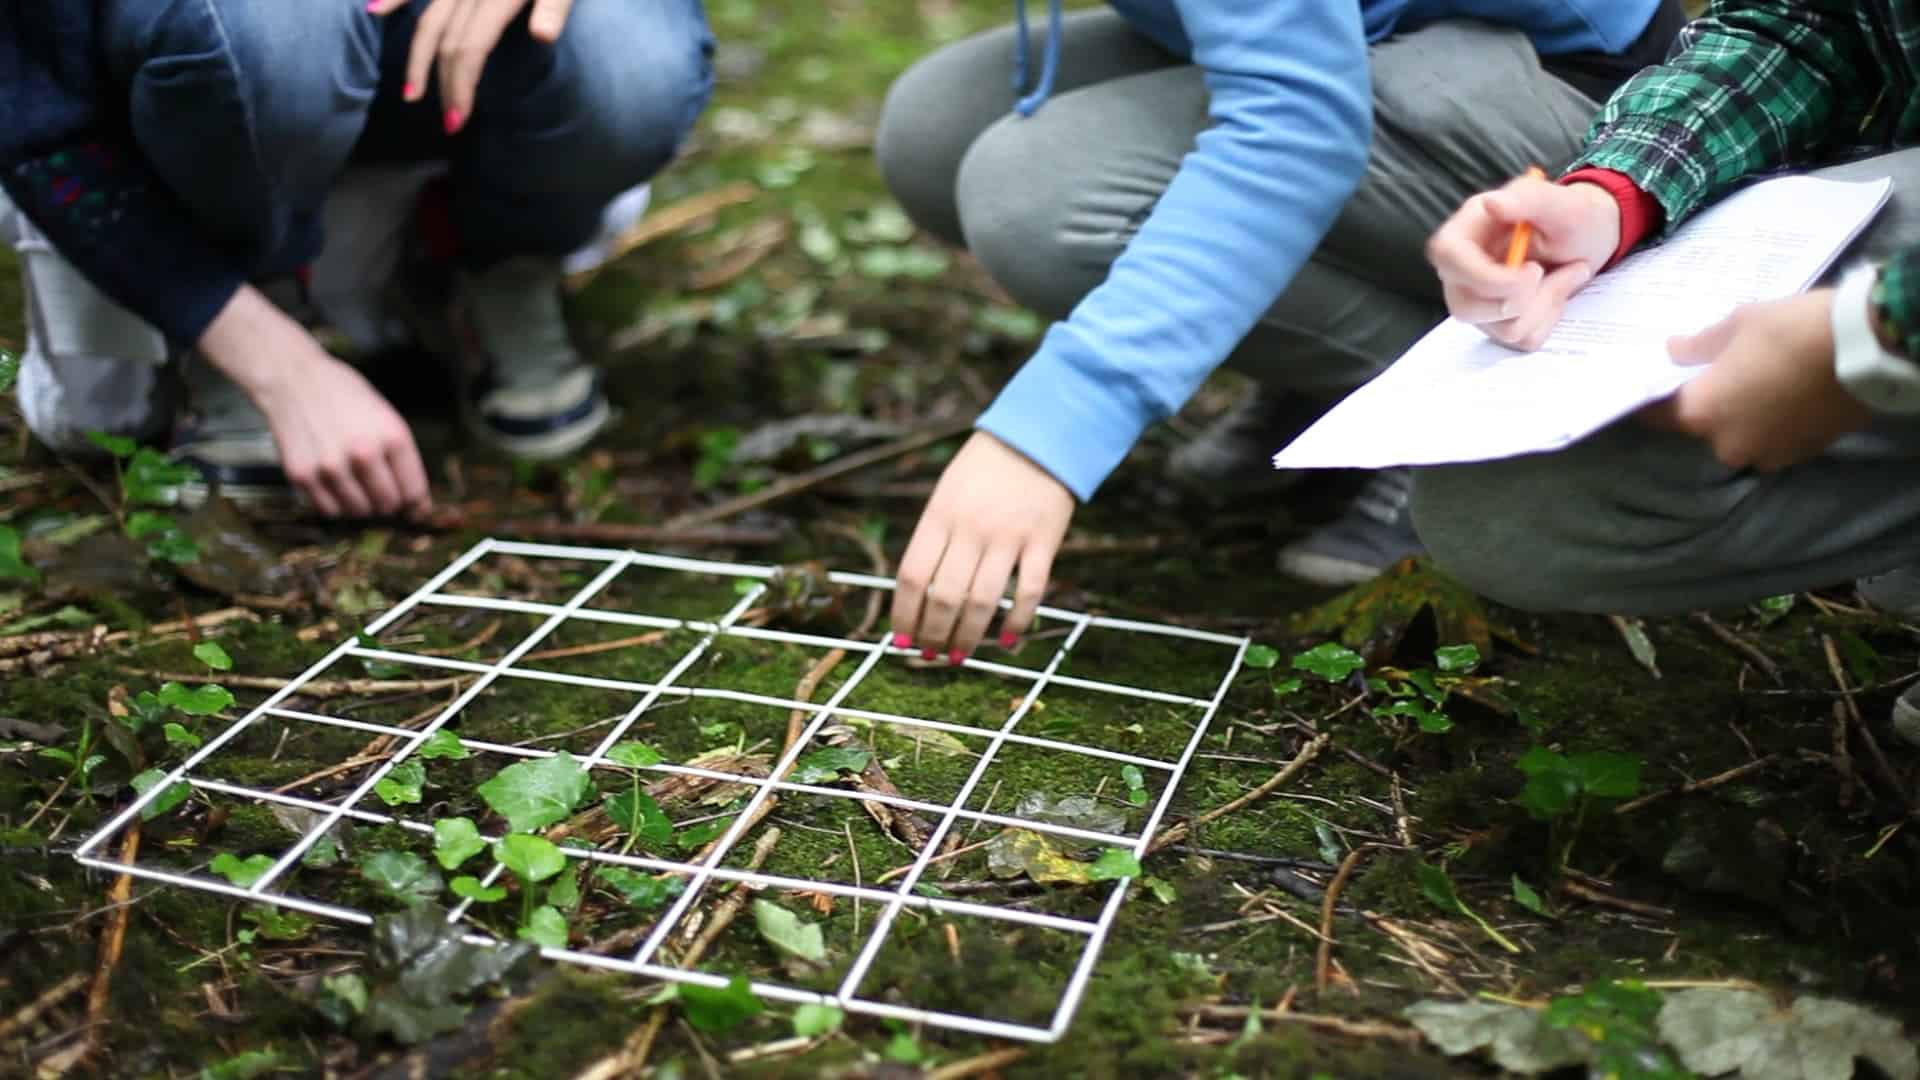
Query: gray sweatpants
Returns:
{"type": "Point", "coordinates": [1634, 520]}
{"type": "Point", "coordinates": [1048, 202]}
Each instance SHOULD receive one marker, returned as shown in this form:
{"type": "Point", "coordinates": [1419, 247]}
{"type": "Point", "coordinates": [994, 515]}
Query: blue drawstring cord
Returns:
{"type": "Point", "coordinates": [1050, 65]}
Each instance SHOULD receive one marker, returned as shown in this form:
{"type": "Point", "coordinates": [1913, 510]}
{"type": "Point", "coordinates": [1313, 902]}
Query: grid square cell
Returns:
{"type": "Point", "coordinates": [518, 651]}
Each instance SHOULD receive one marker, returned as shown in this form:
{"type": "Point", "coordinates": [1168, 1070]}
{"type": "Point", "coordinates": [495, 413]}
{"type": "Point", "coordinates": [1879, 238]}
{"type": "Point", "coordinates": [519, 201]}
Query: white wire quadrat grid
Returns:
{"type": "Point", "coordinates": [893, 899]}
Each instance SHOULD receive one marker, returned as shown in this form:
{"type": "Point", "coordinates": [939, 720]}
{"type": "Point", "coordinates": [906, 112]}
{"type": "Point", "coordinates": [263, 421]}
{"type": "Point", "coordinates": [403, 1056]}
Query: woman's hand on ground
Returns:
{"type": "Point", "coordinates": [341, 444]}
{"type": "Point", "coordinates": [994, 513]}
{"type": "Point", "coordinates": [457, 36]}
{"type": "Point", "coordinates": [1576, 228]}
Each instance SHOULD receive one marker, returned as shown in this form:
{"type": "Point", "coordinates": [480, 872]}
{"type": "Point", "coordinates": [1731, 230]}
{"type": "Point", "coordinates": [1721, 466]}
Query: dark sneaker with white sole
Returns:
{"type": "Point", "coordinates": [1897, 593]}
{"type": "Point", "coordinates": [1372, 534]}
{"type": "Point", "coordinates": [1233, 457]}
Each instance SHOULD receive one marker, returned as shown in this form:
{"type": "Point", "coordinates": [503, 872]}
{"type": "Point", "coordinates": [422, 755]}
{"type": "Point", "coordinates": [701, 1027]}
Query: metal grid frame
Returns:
{"type": "Point", "coordinates": [894, 899]}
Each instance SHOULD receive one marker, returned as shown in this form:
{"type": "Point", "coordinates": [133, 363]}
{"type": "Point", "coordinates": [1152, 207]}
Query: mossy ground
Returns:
{"type": "Point", "coordinates": [1794, 890]}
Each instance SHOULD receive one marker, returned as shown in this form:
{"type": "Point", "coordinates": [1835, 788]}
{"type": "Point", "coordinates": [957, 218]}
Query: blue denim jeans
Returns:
{"type": "Point", "coordinates": [250, 109]}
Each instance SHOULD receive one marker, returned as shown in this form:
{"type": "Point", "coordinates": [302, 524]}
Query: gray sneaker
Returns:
{"type": "Point", "coordinates": [1234, 456]}
{"type": "Point", "coordinates": [1896, 592]}
{"type": "Point", "coordinates": [524, 388]}
{"type": "Point", "coordinates": [1906, 716]}
{"type": "Point", "coordinates": [1374, 532]}
{"type": "Point", "coordinates": [225, 436]}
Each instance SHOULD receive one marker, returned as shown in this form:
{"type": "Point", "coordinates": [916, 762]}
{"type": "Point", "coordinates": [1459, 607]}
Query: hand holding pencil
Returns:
{"type": "Point", "coordinates": [1510, 259]}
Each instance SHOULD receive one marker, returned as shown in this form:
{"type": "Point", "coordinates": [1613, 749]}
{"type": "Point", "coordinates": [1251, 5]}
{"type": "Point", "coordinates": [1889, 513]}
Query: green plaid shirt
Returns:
{"type": "Point", "coordinates": [1762, 85]}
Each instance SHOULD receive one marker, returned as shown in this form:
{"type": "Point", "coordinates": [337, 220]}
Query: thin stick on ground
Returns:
{"type": "Point", "coordinates": [653, 637]}
{"type": "Point", "coordinates": [1880, 763]}
{"type": "Point", "coordinates": [1742, 646]}
{"type": "Point", "coordinates": [1301, 760]}
{"type": "Point", "coordinates": [1237, 1014]}
{"type": "Point", "coordinates": [40, 1006]}
{"type": "Point", "coordinates": [666, 222]}
{"type": "Point", "coordinates": [982, 1065]}
{"type": "Point", "coordinates": [315, 688]}
{"type": "Point", "coordinates": [1323, 959]}
{"type": "Point", "coordinates": [1696, 786]}
{"type": "Point", "coordinates": [832, 470]}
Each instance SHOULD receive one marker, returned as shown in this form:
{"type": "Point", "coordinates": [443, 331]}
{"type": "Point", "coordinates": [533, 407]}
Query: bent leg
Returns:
{"type": "Point", "coordinates": [936, 110]}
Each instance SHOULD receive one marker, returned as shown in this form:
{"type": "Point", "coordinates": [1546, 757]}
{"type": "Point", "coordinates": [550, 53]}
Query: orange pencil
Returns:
{"type": "Point", "coordinates": [1523, 232]}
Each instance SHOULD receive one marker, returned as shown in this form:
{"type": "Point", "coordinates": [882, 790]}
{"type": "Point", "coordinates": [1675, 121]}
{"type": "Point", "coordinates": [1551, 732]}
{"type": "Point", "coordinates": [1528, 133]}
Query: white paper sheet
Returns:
{"type": "Point", "coordinates": [1457, 396]}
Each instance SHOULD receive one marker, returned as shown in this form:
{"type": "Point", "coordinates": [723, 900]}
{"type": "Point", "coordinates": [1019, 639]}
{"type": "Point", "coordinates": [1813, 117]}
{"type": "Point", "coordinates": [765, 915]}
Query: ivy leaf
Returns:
{"type": "Point", "coordinates": [643, 892]}
{"type": "Point", "coordinates": [211, 654]}
{"type": "Point", "coordinates": [1457, 659]}
{"type": "Point", "coordinates": [1288, 687]}
{"type": "Point", "coordinates": [1526, 897]}
{"type": "Point", "coordinates": [455, 840]}
{"type": "Point", "coordinates": [546, 928]}
{"type": "Point", "coordinates": [535, 794]}
{"type": "Point", "coordinates": [716, 1009]}
{"type": "Point", "coordinates": [403, 784]}
{"type": "Point", "coordinates": [812, 1020]}
{"type": "Point", "coordinates": [634, 755]}
{"type": "Point", "coordinates": [1514, 1037]}
{"type": "Point", "coordinates": [1717, 1031]}
{"type": "Point", "coordinates": [12, 564]}
{"type": "Point", "coordinates": [402, 876]}
{"type": "Point", "coordinates": [1114, 863]}
{"type": "Point", "coordinates": [637, 812]}
{"type": "Point", "coordinates": [1607, 775]}
{"type": "Point", "coordinates": [1162, 889]}
{"type": "Point", "coordinates": [531, 858]}
{"type": "Point", "coordinates": [695, 837]}
{"type": "Point", "coordinates": [164, 801]}
{"type": "Point", "coordinates": [788, 933]}
{"type": "Point", "coordinates": [825, 766]}
{"type": "Point", "coordinates": [1330, 660]}
{"type": "Point", "coordinates": [150, 478]}
{"type": "Point", "coordinates": [442, 744]}
{"type": "Point", "coordinates": [420, 969]}
{"type": "Point", "coordinates": [199, 701]}
{"type": "Point", "coordinates": [564, 893]}
{"type": "Point", "coordinates": [241, 872]}
{"type": "Point", "coordinates": [180, 737]}
{"type": "Point", "coordinates": [1438, 889]}
{"type": "Point", "coordinates": [470, 888]}
{"type": "Point", "coordinates": [9, 369]}
{"type": "Point", "coordinates": [118, 445]}
{"type": "Point", "coordinates": [1552, 784]}
{"type": "Point", "coordinates": [1261, 657]}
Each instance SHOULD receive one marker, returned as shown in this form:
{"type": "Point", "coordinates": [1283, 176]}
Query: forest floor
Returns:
{"type": "Point", "coordinates": [1581, 827]}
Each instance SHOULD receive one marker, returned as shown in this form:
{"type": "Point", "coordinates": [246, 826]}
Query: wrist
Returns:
{"type": "Point", "coordinates": [244, 343]}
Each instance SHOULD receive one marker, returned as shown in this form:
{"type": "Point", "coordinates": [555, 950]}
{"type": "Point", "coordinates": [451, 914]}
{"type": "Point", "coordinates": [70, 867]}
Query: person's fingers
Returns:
{"type": "Point", "coordinates": [1036, 565]}
{"type": "Point", "coordinates": [549, 18]}
{"type": "Point", "coordinates": [385, 7]}
{"type": "Point", "coordinates": [306, 480]}
{"type": "Point", "coordinates": [427, 32]}
{"type": "Point", "coordinates": [1705, 346]}
{"type": "Point", "coordinates": [463, 56]}
{"type": "Point", "coordinates": [947, 594]}
{"type": "Point", "coordinates": [374, 474]}
{"type": "Point", "coordinates": [1533, 324]}
{"type": "Point", "coordinates": [352, 499]}
{"type": "Point", "coordinates": [1662, 415]}
{"type": "Point", "coordinates": [983, 598]}
{"type": "Point", "coordinates": [403, 457]}
{"type": "Point", "coordinates": [917, 568]}
{"type": "Point", "coordinates": [1460, 252]}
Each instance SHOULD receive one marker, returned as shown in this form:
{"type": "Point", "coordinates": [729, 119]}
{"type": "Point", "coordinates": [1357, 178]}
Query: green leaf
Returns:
{"type": "Point", "coordinates": [348, 987]}
{"type": "Point", "coordinates": [12, 565]}
{"type": "Point", "coordinates": [1552, 783]}
{"type": "Point", "coordinates": [164, 801]}
{"type": "Point", "coordinates": [455, 840]}
{"type": "Point", "coordinates": [60, 754]}
{"type": "Point", "coordinates": [716, 1009]}
{"type": "Point", "coordinates": [403, 784]}
{"type": "Point", "coordinates": [535, 794]}
{"type": "Point", "coordinates": [1114, 863]}
{"type": "Point", "coordinates": [276, 925]}
{"type": "Point", "coordinates": [118, 445]}
{"type": "Point", "coordinates": [1863, 661]}
{"type": "Point", "coordinates": [531, 858]}
{"type": "Point", "coordinates": [9, 369]}
{"type": "Point", "coordinates": [211, 654]}
{"type": "Point", "coordinates": [1330, 660]}
{"type": "Point", "coordinates": [812, 1020]}
{"type": "Point", "coordinates": [243, 1066]}
{"type": "Point", "coordinates": [1438, 889]}
{"type": "Point", "coordinates": [199, 701]}
{"type": "Point", "coordinates": [1288, 687]}
{"type": "Point", "coordinates": [470, 888]}
{"type": "Point", "coordinates": [67, 615]}
{"type": "Point", "coordinates": [150, 478]}
{"type": "Point", "coordinates": [241, 872]}
{"type": "Point", "coordinates": [180, 737]}
{"type": "Point", "coordinates": [546, 928]}
{"type": "Point", "coordinates": [442, 744]}
{"type": "Point", "coordinates": [1457, 659]}
{"type": "Point", "coordinates": [1774, 608]}
{"type": "Point", "coordinates": [564, 893]}
{"type": "Point", "coordinates": [1136, 780]}
{"type": "Point", "coordinates": [637, 812]}
{"type": "Point", "coordinates": [643, 892]}
{"type": "Point", "coordinates": [1162, 889]}
{"type": "Point", "coordinates": [695, 837]}
{"type": "Point", "coordinates": [1526, 897]}
{"type": "Point", "coordinates": [825, 766]}
{"type": "Point", "coordinates": [789, 933]}
{"type": "Point", "coordinates": [904, 1049]}
{"type": "Point", "coordinates": [634, 755]}
{"type": "Point", "coordinates": [1261, 657]}
{"type": "Point", "coordinates": [1718, 1031]}
{"type": "Point", "coordinates": [402, 876]}
{"type": "Point", "coordinates": [1607, 775]}
{"type": "Point", "coordinates": [421, 969]}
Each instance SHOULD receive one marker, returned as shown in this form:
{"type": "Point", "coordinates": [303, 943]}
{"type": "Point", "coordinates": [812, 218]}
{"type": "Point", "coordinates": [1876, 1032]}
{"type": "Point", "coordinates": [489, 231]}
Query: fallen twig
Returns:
{"type": "Point", "coordinates": [1323, 959]}
{"type": "Point", "coordinates": [652, 637]}
{"type": "Point", "coordinates": [838, 467]}
{"type": "Point", "coordinates": [1880, 763]}
{"type": "Point", "coordinates": [1697, 786]}
{"type": "Point", "coordinates": [317, 688]}
{"type": "Point", "coordinates": [979, 1065]}
{"type": "Point", "coordinates": [25, 651]}
{"type": "Point", "coordinates": [38, 1007]}
{"type": "Point", "coordinates": [1605, 899]}
{"type": "Point", "coordinates": [1335, 1024]}
{"type": "Point", "coordinates": [114, 936]}
{"type": "Point", "coordinates": [666, 222]}
{"type": "Point", "coordinates": [1741, 645]}
{"type": "Point", "coordinates": [1300, 761]}
{"type": "Point", "coordinates": [605, 532]}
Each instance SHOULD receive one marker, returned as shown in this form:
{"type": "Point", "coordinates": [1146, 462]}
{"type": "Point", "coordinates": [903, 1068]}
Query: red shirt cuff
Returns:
{"type": "Point", "coordinates": [1640, 213]}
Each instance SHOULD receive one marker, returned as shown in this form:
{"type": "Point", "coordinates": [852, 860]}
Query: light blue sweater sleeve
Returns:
{"type": "Point", "coordinates": [1291, 121]}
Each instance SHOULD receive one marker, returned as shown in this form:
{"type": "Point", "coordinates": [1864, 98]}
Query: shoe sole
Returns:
{"type": "Point", "coordinates": [1328, 570]}
{"type": "Point", "coordinates": [546, 446]}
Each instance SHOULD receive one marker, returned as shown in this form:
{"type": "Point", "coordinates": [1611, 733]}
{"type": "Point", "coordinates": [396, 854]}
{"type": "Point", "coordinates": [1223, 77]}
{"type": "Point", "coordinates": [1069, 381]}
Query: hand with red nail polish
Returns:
{"type": "Point", "coordinates": [453, 38]}
{"type": "Point", "coordinates": [902, 641]}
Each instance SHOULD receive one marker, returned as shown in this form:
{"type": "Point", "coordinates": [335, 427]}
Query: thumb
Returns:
{"type": "Point", "coordinates": [1705, 346]}
{"type": "Point", "coordinates": [548, 19]}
